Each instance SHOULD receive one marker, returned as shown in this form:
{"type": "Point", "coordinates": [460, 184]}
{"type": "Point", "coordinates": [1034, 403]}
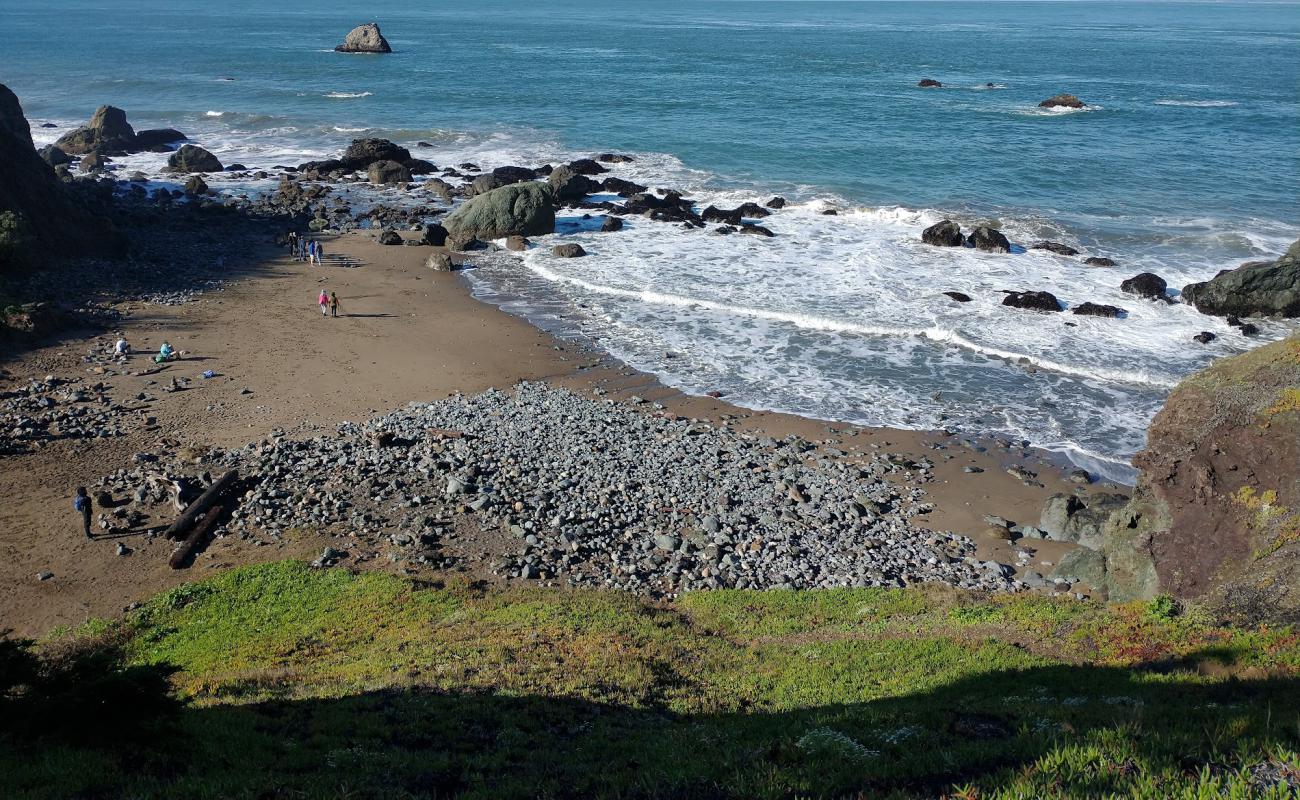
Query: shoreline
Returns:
{"type": "Point", "coordinates": [414, 335]}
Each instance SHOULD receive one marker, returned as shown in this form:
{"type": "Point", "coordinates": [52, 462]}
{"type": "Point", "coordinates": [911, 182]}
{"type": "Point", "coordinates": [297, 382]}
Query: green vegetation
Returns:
{"type": "Point", "coordinates": [283, 681]}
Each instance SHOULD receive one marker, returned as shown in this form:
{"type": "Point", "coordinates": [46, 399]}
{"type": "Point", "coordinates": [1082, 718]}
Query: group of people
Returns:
{"type": "Point", "coordinates": [329, 304]}
{"type": "Point", "coordinates": [303, 249]}
{"type": "Point", "coordinates": [122, 349]}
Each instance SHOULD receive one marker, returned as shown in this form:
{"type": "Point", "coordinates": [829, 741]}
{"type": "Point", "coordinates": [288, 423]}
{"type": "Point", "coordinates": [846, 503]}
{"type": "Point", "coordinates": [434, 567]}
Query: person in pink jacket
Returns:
{"type": "Point", "coordinates": [324, 302]}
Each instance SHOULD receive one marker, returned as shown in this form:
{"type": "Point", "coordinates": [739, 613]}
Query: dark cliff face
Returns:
{"type": "Point", "coordinates": [58, 222]}
{"type": "Point", "coordinates": [1216, 515]}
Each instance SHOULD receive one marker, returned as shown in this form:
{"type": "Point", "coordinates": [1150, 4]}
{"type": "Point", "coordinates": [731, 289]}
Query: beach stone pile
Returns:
{"type": "Point", "coordinates": [589, 492]}
{"type": "Point", "coordinates": [47, 409]}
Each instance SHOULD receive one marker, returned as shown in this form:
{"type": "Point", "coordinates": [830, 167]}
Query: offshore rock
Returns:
{"type": "Point", "coordinates": [1258, 288]}
{"type": "Point", "coordinates": [365, 39]}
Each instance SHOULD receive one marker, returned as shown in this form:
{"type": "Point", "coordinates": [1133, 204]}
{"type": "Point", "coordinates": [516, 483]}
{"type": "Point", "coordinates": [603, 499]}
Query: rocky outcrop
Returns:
{"type": "Point", "coordinates": [1215, 517]}
{"type": "Point", "coordinates": [1100, 261]}
{"type": "Point", "coordinates": [1063, 101]}
{"type": "Point", "coordinates": [929, 83]}
{"type": "Point", "coordinates": [192, 158]}
{"type": "Point", "coordinates": [54, 220]}
{"type": "Point", "coordinates": [1257, 288]}
{"type": "Point", "coordinates": [989, 239]}
{"type": "Point", "coordinates": [943, 234]}
{"type": "Point", "coordinates": [108, 133]}
{"type": "Point", "coordinates": [525, 209]}
{"type": "Point", "coordinates": [960, 297]}
{"type": "Point", "coordinates": [1033, 301]}
{"type": "Point", "coordinates": [365, 39]}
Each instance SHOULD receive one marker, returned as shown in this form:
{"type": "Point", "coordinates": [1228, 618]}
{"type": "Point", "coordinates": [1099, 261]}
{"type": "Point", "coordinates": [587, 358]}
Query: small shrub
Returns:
{"type": "Point", "coordinates": [1163, 608]}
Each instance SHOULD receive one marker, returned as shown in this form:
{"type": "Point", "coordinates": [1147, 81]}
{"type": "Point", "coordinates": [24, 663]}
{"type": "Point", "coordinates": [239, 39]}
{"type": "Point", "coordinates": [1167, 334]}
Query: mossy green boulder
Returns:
{"type": "Point", "coordinates": [520, 209]}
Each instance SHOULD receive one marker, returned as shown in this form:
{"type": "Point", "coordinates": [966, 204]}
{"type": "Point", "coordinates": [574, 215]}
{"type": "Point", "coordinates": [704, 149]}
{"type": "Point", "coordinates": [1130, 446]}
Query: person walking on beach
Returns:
{"type": "Point", "coordinates": [293, 243]}
{"type": "Point", "coordinates": [320, 254]}
{"type": "Point", "coordinates": [82, 504]}
{"type": "Point", "coordinates": [315, 252]}
{"type": "Point", "coordinates": [324, 301]}
{"type": "Point", "coordinates": [334, 304]}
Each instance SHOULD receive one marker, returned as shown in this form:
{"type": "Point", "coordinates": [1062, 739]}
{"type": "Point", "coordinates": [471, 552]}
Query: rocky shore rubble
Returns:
{"type": "Point", "coordinates": [589, 492]}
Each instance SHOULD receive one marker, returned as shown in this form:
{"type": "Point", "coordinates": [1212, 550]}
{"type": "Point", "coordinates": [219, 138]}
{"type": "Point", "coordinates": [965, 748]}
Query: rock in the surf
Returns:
{"type": "Point", "coordinates": [943, 234]}
{"type": "Point", "coordinates": [526, 209]}
{"type": "Point", "coordinates": [107, 133]}
{"type": "Point", "coordinates": [364, 152]}
{"type": "Point", "coordinates": [1204, 337]}
{"type": "Point", "coordinates": [1055, 247]}
{"type": "Point", "coordinates": [611, 224]}
{"type": "Point", "coordinates": [614, 158]}
{"type": "Point", "coordinates": [1146, 284]}
{"type": "Point", "coordinates": [587, 166]}
{"type": "Point", "coordinates": [517, 244]}
{"type": "Point", "coordinates": [929, 83]}
{"type": "Point", "coordinates": [192, 158]}
{"type": "Point", "coordinates": [158, 139]}
{"type": "Point", "coordinates": [568, 250]}
{"type": "Point", "coordinates": [777, 202]}
{"type": "Point", "coordinates": [960, 297]}
{"type": "Point", "coordinates": [1062, 101]}
{"type": "Point", "coordinates": [388, 172]}
{"type": "Point", "coordinates": [1256, 288]}
{"type": "Point", "coordinates": [1032, 301]}
{"type": "Point", "coordinates": [1090, 309]}
{"type": "Point", "coordinates": [988, 239]}
{"type": "Point", "coordinates": [365, 39]}
{"type": "Point", "coordinates": [569, 186]}
{"type": "Point", "coordinates": [1100, 261]}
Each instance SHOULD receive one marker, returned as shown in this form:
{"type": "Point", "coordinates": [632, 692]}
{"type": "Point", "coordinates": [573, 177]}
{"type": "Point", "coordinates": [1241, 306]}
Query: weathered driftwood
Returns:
{"type": "Point", "coordinates": [203, 503]}
{"type": "Point", "coordinates": [198, 537]}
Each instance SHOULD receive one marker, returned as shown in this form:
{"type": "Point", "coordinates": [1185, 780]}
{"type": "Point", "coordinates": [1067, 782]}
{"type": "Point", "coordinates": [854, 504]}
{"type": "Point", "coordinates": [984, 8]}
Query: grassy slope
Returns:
{"type": "Point", "coordinates": [296, 682]}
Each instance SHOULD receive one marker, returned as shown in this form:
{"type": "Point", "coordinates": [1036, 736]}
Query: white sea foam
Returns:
{"type": "Point", "coordinates": [347, 95]}
{"type": "Point", "coordinates": [1197, 103]}
{"type": "Point", "coordinates": [214, 113]}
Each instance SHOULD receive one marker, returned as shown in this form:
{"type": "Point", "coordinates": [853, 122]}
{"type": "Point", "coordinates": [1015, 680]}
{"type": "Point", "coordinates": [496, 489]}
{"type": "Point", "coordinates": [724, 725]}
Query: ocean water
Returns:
{"type": "Point", "coordinates": [1187, 161]}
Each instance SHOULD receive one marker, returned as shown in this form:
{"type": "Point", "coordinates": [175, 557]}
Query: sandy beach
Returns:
{"type": "Point", "coordinates": [405, 333]}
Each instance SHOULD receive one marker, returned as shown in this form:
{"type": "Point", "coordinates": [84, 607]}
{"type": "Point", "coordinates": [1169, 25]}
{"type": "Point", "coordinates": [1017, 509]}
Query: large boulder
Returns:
{"type": "Point", "coordinates": [1082, 520]}
{"type": "Point", "coordinates": [943, 234]}
{"type": "Point", "coordinates": [192, 158]}
{"type": "Point", "coordinates": [108, 132]}
{"type": "Point", "coordinates": [569, 186]}
{"type": "Point", "coordinates": [434, 234]}
{"type": "Point", "coordinates": [386, 172]}
{"type": "Point", "coordinates": [364, 152]}
{"type": "Point", "coordinates": [35, 200]}
{"type": "Point", "coordinates": [1216, 511]}
{"type": "Point", "coordinates": [1258, 288]}
{"type": "Point", "coordinates": [365, 39]}
{"type": "Point", "coordinates": [526, 209]}
{"type": "Point", "coordinates": [54, 156]}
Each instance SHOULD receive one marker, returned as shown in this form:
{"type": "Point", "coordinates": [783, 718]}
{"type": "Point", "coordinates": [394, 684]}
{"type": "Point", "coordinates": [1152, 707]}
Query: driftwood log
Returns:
{"type": "Point", "coordinates": [197, 538]}
{"type": "Point", "coordinates": [205, 501]}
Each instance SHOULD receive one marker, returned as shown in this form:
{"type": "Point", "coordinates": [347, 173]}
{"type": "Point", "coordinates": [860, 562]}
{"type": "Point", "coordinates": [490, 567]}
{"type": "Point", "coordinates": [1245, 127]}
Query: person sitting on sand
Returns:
{"type": "Point", "coordinates": [324, 301]}
{"type": "Point", "coordinates": [122, 349]}
{"type": "Point", "coordinates": [334, 304]}
{"type": "Point", "coordinates": [165, 353]}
